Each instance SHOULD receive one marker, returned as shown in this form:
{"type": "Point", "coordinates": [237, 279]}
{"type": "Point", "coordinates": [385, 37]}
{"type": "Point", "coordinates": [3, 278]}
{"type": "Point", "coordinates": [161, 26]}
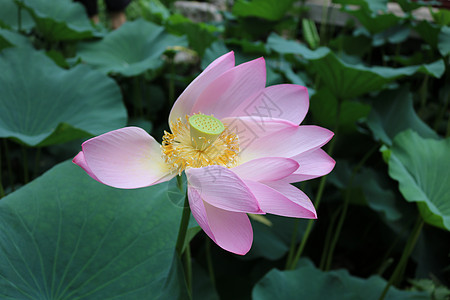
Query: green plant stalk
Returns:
{"type": "Point", "coordinates": [320, 190]}
{"type": "Point", "coordinates": [423, 92]}
{"type": "Point", "coordinates": [328, 237]}
{"type": "Point", "coordinates": [137, 95]}
{"type": "Point", "coordinates": [441, 114]}
{"type": "Point", "coordinates": [293, 242]}
{"type": "Point", "coordinates": [172, 82]}
{"type": "Point", "coordinates": [400, 268]}
{"type": "Point", "coordinates": [209, 261]}
{"type": "Point", "coordinates": [8, 165]}
{"type": "Point", "coordinates": [25, 165]}
{"type": "Point", "coordinates": [183, 227]}
{"type": "Point", "coordinates": [188, 268]}
{"type": "Point", "coordinates": [323, 22]}
{"type": "Point", "coordinates": [345, 207]}
{"type": "Point", "coordinates": [36, 162]}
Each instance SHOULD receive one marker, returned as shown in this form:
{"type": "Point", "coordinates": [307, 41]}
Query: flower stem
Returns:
{"type": "Point", "coordinates": [400, 268]}
{"type": "Point", "coordinates": [188, 268]}
{"type": "Point", "coordinates": [2, 191]}
{"type": "Point", "coordinates": [183, 227]}
{"type": "Point", "coordinates": [345, 206]}
{"type": "Point", "coordinates": [25, 164]}
{"type": "Point", "coordinates": [209, 262]}
{"type": "Point", "coordinates": [8, 165]}
{"type": "Point", "coordinates": [305, 237]}
{"type": "Point", "coordinates": [293, 242]}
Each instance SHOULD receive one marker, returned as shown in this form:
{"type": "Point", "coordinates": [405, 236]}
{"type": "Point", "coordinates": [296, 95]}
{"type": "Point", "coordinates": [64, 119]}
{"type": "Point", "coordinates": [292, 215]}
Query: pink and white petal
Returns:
{"type": "Point", "coordinates": [312, 165]}
{"type": "Point", "coordinates": [223, 189]}
{"type": "Point", "coordinates": [284, 101]}
{"type": "Point", "coordinates": [186, 100]}
{"type": "Point", "coordinates": [126, 158]}
{"type": "Point", "coordinates": [266, 169]}
{"type": "Point", "coordinates": [293, 194]}
{"type": "Point", "coordinates": [81, 162]}
{"type": "Point", "coordinates": [275, 138]}
{"type": "Point", "coordinates": [232, 231]}
{"type": "Point", "coordinates": [275, 202]}
{"type": "Point", "coordinates": [227, 92]}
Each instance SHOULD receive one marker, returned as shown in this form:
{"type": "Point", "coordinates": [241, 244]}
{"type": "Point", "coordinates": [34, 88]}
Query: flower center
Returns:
{"type": "Point", "coordinates": [204, 130]}
{"type": "Point", "coordinates": [199, 141]}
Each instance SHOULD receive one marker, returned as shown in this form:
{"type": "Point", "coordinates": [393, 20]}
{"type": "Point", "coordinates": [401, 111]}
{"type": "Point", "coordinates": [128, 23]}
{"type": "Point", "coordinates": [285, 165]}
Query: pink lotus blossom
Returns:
{"type": "Point", "coordinates": [240, 151]}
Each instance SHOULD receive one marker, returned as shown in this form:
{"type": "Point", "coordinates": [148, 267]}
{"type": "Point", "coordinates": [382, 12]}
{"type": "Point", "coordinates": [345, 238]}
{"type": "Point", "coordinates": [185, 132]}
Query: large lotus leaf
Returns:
{"type": "Point", "coordinates": [345, 80]}
{"type": "Point", "coordinates": [42, 104]}
{"type": "Point", "coordinates": [9, 16]}
{"type": "Point", "coordinates": [375, 23]}
{"type": "Point", "coordinates": [130, 50]}
{"type": "Point", "coordinates": [421, 166]}
{"type": "Point", "coordinates": [442, 17]}
{"type": "Point", "coordinates": [393, 112]}
{"type": "Point", "coordinates": [66, 236]}
{"type": "Point", "coordinates": [10, 39]}
{"type": "Point", "coordinates": [60, 20]}
{"type": "Point", "coordinates": [428, 31]}
{"type": "Point", "coordinates": [272, 10]}
{"type": "Point", "coordinates": [308, 282]}
{"type": "Point", "coordinates": [444, 41]}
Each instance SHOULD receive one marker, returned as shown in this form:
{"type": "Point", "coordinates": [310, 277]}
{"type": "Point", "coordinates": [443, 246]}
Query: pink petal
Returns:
{"type": "Point", "coordinates": [185, 102]}
{"type": "Point", "coordinates": [223, 189]}
{"type": "Point", "coordinates": [230, 230]}
{"type": "Point", "coordinates": [125, 158]}
{"type": "Point", "coordinates": [312, 165]}
{"type": "Point", "coordinates": [284, 101]}
{"type": "Point", "coordinates": [274, 202]}
{"type": "Point", "coordinates": [275, 138]}
{"type": "Point", "coordinates": [266, 169]}
{"type": "Point", "coordinates": [226, 93]}
{"type": "Point", "coordinates": [293, 194]}
{"type": "Point", "coordinates": [81, 161]}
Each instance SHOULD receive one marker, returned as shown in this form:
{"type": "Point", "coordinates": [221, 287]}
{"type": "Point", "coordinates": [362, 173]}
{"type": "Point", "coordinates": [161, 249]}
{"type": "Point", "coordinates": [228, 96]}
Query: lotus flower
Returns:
{"type": "Point", "coordinates": [239, 143]}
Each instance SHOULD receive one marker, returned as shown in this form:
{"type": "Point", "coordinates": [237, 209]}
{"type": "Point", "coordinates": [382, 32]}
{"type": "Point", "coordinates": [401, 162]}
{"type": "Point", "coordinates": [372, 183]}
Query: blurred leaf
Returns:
{"type": "Point", "coordinates": [273, 242]}
{"type": "Point", "coordinates": [324, 107]}
{"type": "Point", "coordinates": [442, 16]}
{"type": "Point", "coordinates": [9, 16]}
{"type": "Point", "coordinates": [444, 41]}
{"type": "Point", "coordinates": [308, 282]}
{"type": "Point", "coordinates": [249, 46]}
{"type": "Point", "coordinates": [272, 10]}
{"type": "Point", "coordinates": [438, 292]}
{"type": "Point", "coordinates": [43, 104]}
{"type": "Point", "coordinates": [371, 5]}
{"type": "Point", "coordinates": [428, 31]}
{"type": "Point", "coordinates": [200, 35]}
{"type": "Point", "coordinates": [216, 49]}
{"type": "Point", "coordinates": [421, 168]}
{"type": "Point", "coordinates": [352, 45]}
{"type": "Point", "coordinates": [60, 20]}
{"type": "Point", "coordinates": [130, 50]}
{"type": "Point", "coordinates": [375, 23]}
{"type": "Point", "coordinates": [310, 33]}
{"type": "Point", "coordinates": [393, 112]}
{"type": "Point", "coordinates": [345, 80]}
{"type": "Point", "coordinates": [10, 39]}
{"type": "Point", "coordinates": [394, 35]}
{"type": "Point", "coordinates": [66, 236]}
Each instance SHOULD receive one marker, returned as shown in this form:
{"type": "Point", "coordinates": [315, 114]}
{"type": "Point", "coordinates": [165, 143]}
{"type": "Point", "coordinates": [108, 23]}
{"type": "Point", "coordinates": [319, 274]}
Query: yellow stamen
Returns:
{"type": "Point", "coordinates": [182, 150]}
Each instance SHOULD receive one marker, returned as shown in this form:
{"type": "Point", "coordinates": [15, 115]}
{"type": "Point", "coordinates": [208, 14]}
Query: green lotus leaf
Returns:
{"type": "Point", "coordinates": [369, 5]}
{"type": "Point", "coordinates": [345, 80]}
{"type": "Point", "coordinates": [130, 50]}
{"type": "Point", "coordinates": [393, 112]}
{"type": "Point", "coordinates": [272, 10]}
{"type": "Point", "coordinates": [10, 39]}
{"type": "Point", "coordinates": [9, 16]}
{"type": "Point", "coordinates": [43, 104]}
{"type": "Point", "coordinates": [308, 282]}
{"type": "Point", "coordinates": [421, 167]}
{"type": "Point", "coordinates": [66, 236]}
{"type": "Point", "coordinates": [60, 20]}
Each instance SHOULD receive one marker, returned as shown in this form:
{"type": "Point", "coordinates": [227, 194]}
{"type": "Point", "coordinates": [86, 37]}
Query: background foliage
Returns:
{"type": "Point", "coordinates": [381, 82]}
